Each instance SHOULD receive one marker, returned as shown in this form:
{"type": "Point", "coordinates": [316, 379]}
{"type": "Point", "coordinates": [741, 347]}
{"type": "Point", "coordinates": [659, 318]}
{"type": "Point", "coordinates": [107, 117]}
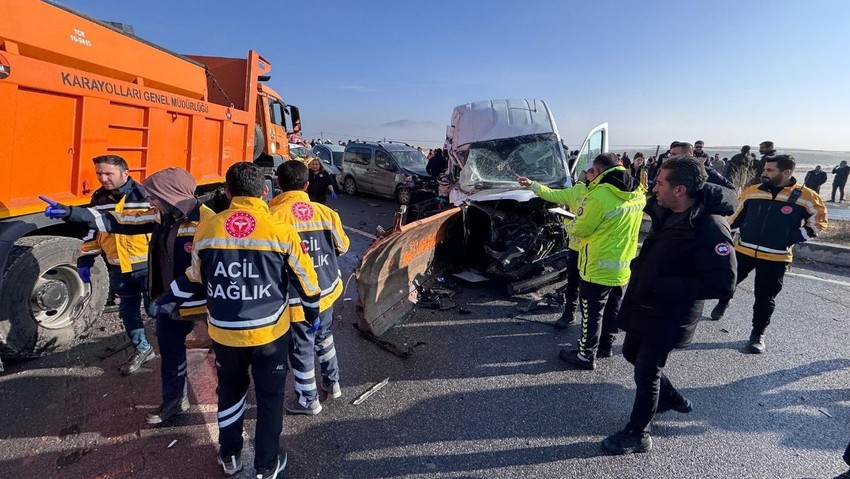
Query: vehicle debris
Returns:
{"type": "Point", "coordinates": [483, 226]}
{"type": "Point", "coordinates": [471, 276]}
{"type": "Point", "coordinates": [369, 392]}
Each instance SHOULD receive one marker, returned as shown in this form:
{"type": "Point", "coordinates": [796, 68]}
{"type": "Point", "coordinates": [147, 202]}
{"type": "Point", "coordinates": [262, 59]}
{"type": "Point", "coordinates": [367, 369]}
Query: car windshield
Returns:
{"type": "Point", "coordinates": [297, 152]}
{"type": "Point", "coordinates": [498, 163]}
{"type": "Point", "coordinates": [337, 158]}
{"type": "Point", "coordinates": [410, 159]}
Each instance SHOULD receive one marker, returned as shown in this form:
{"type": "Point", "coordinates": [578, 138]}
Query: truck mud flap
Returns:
{"type": "Point", "coordinates": [396, 264]}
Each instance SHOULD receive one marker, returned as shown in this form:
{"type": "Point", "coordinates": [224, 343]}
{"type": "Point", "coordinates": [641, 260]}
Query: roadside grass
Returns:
{"type": "Point", "coordinates": [837, 232]}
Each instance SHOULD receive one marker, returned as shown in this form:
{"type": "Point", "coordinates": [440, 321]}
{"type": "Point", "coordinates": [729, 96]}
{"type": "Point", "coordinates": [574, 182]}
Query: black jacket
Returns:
{"type": "Point", "coordinates": [684, 260]}
{"type": "Point", "coordinates": [814, 179]}
{"type": "Point", "coordinates": [841, 173]}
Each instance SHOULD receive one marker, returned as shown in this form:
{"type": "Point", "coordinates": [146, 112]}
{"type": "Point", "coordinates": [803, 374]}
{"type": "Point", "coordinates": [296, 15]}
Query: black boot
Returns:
{"type": "Point", "coordinates": [756, 343]}
{"type": "Point", "coordinates": [627, 442]}
{"type": "Point", "coordinates": [565, 320]}
{"type": "Point", "coordinates": [719, 310]}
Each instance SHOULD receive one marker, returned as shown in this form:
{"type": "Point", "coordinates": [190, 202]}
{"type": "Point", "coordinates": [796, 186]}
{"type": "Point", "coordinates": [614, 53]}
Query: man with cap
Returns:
{"type": "Point", "coordinates": [171, 221]}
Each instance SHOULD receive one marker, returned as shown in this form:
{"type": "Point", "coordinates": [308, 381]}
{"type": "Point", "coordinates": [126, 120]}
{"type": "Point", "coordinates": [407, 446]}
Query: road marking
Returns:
{"type": "Point", "coordinates": [359, 232]}
{"type": "Point", "coordinates": [808, 276]}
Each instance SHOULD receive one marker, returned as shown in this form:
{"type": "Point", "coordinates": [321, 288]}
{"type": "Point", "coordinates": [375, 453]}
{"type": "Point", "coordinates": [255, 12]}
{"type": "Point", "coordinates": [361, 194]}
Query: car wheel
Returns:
{"type": "Point", "coordinates": [403, 196]}
{"type": "Point", "coordinates": [350, 186]}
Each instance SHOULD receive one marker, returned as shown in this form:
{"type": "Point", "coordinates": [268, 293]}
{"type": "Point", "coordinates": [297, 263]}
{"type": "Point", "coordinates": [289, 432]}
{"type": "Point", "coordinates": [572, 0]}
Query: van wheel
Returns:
{"type": "Point", "coordinates": [44, 305]}
{"type": "Point", "coordinates": [350, 186]}
{"type": "Point", "coordinates": [403, 196]}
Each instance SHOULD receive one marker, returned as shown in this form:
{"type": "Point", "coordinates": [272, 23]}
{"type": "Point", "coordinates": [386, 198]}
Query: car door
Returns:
{"type": "Point", "coordinates": [595, 143]}
{"type": "Point", "coordinates": [384, 174]}
{"type": "Point", "coordinates": [357, 163]}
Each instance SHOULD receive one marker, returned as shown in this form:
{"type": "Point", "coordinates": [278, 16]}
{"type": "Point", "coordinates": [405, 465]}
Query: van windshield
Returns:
{"type": "Point", "coordinates": [410, 159]}
{"type": "Point", "coordinates": [497, 163]}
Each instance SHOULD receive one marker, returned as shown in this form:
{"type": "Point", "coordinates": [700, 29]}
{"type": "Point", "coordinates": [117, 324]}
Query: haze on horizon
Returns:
{"type": "Point", "coordinates": [727, 72]}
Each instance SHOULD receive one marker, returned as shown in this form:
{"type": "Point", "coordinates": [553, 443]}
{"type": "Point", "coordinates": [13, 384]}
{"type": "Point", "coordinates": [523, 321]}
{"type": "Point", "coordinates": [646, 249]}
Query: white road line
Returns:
{"type": "Point", "coordinates": [808, 276]}
{"type": "Point", "coordinates": [359, 232]}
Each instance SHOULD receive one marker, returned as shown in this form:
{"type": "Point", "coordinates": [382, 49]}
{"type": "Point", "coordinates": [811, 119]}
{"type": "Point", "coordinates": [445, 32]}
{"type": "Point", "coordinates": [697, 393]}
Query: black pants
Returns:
{"type": "Point", "coordinates": [651, 385]}
{"type": "Point", "coordinates": [268, 368]}
{"type": "Point", "coordinates": [839, 188]}
{"type": "Point", "coordinates": [768, 284]}
{"type": "Point", "coordinates": [171, 339]}
{"type": "Point", "coordinates": [599, 307]}
{"type": "Point", "coordinates": [573, 279]}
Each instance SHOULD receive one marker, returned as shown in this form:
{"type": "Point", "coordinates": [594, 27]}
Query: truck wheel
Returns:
{"type": "Point", "coordinates": [44, 305]}
{"type": "Point", "coordinates": [350, 186]}
{"type": "Point", "coordinates": [259, 141]}
{"type": "Point", "coordinates": [403, 195]}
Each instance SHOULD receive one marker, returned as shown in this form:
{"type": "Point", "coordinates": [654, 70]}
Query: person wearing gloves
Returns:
{"type": "Point", "coordinates": [321, 182]}
{"type": "Point", "coordinates": [246, 260]}
{"type": "Point", "coordinates": [320, 230]}
{"type": "Point", "coordinates": [171, 222]}
{"type": "Point", "coordinates": [571, 198]}
{"type": "Point", "coordinates": [126, 255]}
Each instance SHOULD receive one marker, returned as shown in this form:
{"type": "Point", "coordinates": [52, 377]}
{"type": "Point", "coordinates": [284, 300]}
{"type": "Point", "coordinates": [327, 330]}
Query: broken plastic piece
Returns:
{"type": "Point", "coordinates": [470, 276]}
{"type": "Point", "coordinates": [372, 390]}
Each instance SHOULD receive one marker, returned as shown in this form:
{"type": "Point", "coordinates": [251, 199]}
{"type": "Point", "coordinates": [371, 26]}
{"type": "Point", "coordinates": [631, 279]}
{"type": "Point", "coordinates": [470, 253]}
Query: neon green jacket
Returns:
{"type": "Point", "coordinates": [569, 197]}
{"type": "Point", "coordinates": [608, 223]}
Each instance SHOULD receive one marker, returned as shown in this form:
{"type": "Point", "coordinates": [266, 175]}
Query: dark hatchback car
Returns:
{"type": "Point", "coordinates": [393, 170]}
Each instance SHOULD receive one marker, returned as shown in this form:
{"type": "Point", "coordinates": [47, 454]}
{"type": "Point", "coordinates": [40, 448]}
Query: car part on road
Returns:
{"type": "Point", "coordinates": [372, 390]}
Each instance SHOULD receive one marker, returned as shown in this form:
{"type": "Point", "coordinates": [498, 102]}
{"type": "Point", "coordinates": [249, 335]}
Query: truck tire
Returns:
{"type": "Point", "coordinates": [259, 141]}
{"type": "Point", "coordinates": [42, 307]}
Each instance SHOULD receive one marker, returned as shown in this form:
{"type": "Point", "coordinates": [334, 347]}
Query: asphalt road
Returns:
{"type": "Point", "coordinates": [484, 395]}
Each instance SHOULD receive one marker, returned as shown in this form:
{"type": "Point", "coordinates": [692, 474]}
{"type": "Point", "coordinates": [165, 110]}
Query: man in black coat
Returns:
{"type": "Point", "coordinates": [686, 258]}
{"type": "Point", "coordinates": [814, 179]}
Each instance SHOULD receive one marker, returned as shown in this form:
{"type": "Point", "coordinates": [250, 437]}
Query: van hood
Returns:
{"type": "Point", "coordinates": [415, 171]}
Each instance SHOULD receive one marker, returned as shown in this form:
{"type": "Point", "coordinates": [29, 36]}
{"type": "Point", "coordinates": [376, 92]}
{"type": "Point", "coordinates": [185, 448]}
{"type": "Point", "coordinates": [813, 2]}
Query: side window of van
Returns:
{"type": "Point", "coordinates": [382, 160]}
{"type": "Point", "coordinates": [357, 155]}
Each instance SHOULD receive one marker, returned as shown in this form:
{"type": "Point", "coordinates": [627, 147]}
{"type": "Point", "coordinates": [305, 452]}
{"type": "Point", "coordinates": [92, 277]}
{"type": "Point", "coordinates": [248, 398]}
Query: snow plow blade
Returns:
{"type": "Point", "coordinates": [390, 270]}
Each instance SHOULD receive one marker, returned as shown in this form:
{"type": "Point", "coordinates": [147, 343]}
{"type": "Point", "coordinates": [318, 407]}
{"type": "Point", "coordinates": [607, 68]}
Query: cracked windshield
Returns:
{"type": "Point", "coordinates": [498, 163]}
{"type": "Point", "coordinates": [410, 159]}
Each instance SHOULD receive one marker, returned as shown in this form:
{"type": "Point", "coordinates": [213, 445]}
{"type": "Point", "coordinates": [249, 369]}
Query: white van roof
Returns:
{"type": "Point", "coordinates": [495, 119]}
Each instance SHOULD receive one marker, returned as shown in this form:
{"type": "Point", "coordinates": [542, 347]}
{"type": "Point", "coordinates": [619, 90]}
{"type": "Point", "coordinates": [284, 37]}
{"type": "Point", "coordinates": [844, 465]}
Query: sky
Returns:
{"type": "Point", "coordinates": [727, 72]}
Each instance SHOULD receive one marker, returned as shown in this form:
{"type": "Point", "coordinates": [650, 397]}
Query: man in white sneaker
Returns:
{"type": "Point", "coordinates": [322, 236]}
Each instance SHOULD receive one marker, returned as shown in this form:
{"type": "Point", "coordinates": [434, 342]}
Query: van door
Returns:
{"type": "Point", "coordinates": [384, 174]}
{"type": "Point", "coordinates": [356, 163]}
{"type": "Point", "coordinates": [595, 143]}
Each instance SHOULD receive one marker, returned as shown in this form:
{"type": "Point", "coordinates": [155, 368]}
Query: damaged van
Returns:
{"type": "Point", "coordinates": [494, 226]}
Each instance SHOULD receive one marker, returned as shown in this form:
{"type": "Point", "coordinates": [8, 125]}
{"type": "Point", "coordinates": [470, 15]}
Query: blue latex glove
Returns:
{"type": "Point", "coordinates": [153, 309]}
{"type": "Point", "coordinates": [315, 327]}
{"type": "Point", "coordinates": [333, 195]}
{"type": "Point", "coordinates": [85, 273]}
{"type": "Point", "coordinates": [55, 210]}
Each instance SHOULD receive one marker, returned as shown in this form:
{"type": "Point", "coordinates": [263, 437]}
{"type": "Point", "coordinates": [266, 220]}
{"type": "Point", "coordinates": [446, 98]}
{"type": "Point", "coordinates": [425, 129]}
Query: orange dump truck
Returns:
{"type": "Point", "coordinates": [72, 88]}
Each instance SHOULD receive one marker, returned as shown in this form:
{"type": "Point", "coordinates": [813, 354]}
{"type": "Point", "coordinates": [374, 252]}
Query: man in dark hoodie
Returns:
{"type": "Point", "coordinates": [686, 258]}
{"type": "Point", "coordinates": [171, 221]}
